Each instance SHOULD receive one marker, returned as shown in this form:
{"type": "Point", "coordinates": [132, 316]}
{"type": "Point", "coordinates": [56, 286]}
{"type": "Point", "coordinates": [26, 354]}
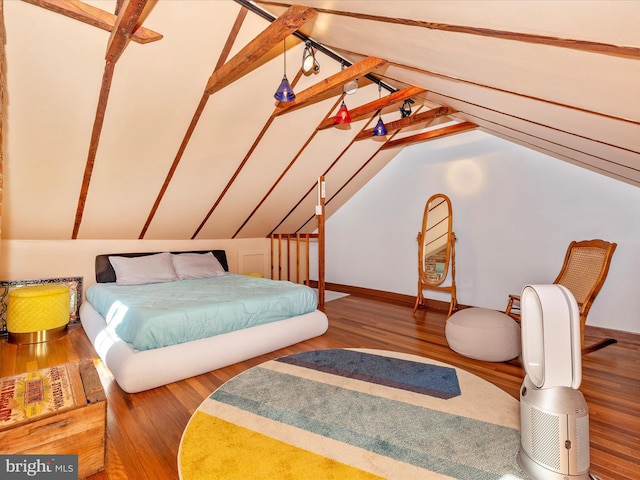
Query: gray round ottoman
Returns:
{"type": "Point", "coordinates": [483, 334]}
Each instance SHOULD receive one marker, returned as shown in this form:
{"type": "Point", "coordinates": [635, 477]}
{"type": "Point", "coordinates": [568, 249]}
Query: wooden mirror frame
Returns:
{"type": "Point", "coordinates": [443, 223]}
{"type": "Point", "coordinates": [436, 230]}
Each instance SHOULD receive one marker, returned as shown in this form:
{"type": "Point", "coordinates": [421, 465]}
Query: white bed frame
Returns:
{"type": "Point", "coordinates": [136, 371]}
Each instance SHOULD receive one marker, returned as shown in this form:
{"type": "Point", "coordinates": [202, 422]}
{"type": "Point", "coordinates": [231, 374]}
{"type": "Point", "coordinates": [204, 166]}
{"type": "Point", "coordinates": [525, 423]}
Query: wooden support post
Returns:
{"type": "Point", "coordinates": [272, 258]}
{"type": "Point", "coordinates": [320, 216]}
{"type": "Point", "coordinates": [297, 258]}
{"type": "Point", "coordinates": [279, 257]}
{"type": "Point", "coordinates": [308, 237]}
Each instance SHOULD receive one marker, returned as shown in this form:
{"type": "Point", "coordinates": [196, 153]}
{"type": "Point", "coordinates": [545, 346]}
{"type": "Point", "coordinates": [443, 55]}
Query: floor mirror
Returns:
{"type": "Point", "coordinates": [436, 252]}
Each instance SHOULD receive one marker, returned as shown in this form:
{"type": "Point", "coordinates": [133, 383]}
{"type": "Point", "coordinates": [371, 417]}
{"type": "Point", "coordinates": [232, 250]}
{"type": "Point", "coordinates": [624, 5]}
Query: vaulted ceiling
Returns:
{"type": "Point", "coordinates": [157, 120]}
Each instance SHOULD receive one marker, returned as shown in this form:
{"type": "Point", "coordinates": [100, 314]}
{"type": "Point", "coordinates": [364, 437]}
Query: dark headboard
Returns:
{"type": "Point", "coordinates": [106, 274]}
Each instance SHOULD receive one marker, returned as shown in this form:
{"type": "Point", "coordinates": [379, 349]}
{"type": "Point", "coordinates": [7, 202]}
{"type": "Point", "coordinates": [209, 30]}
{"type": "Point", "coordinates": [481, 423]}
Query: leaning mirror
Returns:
{"type": "Point", "coordinates": [436, 250]}
{"type": "Point", "coordinates": [436, 240]}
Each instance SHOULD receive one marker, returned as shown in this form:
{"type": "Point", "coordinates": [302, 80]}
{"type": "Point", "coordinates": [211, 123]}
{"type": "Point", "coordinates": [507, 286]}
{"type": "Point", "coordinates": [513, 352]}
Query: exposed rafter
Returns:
{"type": "Point", "coordinates": [572, 43]}
{"type": "Point", "coordinates": [251, 168]}
{"type": "Point", "coordinates": [235, 29]}
{"type": "Point", "coordinates": [128, 18]}
{"type": "Point", "coordinates": [130, 15]}
{"type": "Point", "coordinates": [364, 110]}
{"type": "Point", "coordinates": [430, 135]}
{"type": "Point", "coordinates": [225, 74]}
{"type": "Point", "coordinates": [280, 178]}
{"type": "Point", "coordinates": [417, 119]}
{"type": "Point", "coordinates": [288, 22]}
{"type": "Point", "coordinates": [90, 15]}
{"type": "Point", "coordinates": [357, 70]}
{"type": "Point", "coordinates": [252, 7]}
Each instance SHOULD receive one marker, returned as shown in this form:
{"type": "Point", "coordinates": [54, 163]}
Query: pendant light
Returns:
{"type": "Point", "coordinates": [343, 116]}
{"type": "Point", "coordinates": [380, 130]}
{"type": "Point", "coordinates": [285, 92]}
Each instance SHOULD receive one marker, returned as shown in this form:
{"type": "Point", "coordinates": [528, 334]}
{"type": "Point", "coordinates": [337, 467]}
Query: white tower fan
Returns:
{"type": "Point", "coordinates": [554, 416]}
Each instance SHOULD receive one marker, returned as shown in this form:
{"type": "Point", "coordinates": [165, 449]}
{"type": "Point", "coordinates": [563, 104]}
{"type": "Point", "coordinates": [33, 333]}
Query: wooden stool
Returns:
{"type": "Point", "coordinates": [37, 313]}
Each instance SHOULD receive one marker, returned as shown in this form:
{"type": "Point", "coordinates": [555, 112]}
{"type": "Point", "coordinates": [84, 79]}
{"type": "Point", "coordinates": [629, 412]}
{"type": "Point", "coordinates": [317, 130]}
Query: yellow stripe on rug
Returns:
{"type": "Point", "coordinates": [241, 453]}
{"type": "Point", "coordinates": [380, 466]}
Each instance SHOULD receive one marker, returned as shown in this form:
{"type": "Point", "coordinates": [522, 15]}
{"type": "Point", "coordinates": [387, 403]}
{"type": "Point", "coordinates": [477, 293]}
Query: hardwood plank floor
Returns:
{"type": "Point", "coordinates": [144, 429]}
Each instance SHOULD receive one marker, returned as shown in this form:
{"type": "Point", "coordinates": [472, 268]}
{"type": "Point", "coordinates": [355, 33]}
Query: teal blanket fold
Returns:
{"type": "Point", "coordinates": [161, 314]}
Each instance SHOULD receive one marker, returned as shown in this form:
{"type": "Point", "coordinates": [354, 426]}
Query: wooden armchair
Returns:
{"type": "Point", "coordinates": [584, 271]}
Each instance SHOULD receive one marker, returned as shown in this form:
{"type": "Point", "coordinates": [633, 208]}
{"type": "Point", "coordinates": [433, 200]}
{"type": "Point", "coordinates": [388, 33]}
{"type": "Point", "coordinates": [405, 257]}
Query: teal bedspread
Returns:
{"type": "Point", "coordinates": [161, 314]}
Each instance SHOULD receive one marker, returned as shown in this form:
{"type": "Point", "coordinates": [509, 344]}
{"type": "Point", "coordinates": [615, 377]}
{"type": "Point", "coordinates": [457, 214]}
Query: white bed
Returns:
{"type": "Point", "coordinates": [139, 370]}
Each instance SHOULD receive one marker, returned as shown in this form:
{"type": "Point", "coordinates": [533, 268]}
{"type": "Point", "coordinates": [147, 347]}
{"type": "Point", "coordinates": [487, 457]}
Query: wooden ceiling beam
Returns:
{"type": "Point", "coordinates": [130, 15]}
{"type": "Point", "coordinates": [224, 54]}
{"type": "Point", "coordinates": [572, 43]}
{"type": "Point", "coordinates": [129, 18]}
{"type": "Point", "coordinates": [353, 72]}
{"type": "Point", "coordinates": [98, 121]}
{"type": "Point", "coordinates": [368, 108]}
{"type": "Point", "coordinates": [417, 119]}
{"type": "Point", "coordinates": [430, 135]}
{"type": "Point", "coordinates": [287, 23]}
{"type": "Point", "coordinates": [93, 16]}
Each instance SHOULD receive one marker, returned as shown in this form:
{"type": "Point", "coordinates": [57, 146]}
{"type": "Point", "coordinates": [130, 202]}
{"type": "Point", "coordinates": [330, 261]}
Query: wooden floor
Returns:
{"type": "Point", "coordinates": [144, 429]}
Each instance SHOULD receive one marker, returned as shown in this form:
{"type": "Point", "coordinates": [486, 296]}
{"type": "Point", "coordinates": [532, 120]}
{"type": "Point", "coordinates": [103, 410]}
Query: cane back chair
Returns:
{"type": "Point", "coordinates": [585, 268]}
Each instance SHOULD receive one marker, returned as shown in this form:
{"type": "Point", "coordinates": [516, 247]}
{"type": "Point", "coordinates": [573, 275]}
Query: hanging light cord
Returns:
{"type": "Point", "coordinates": [267, 16]}
{"type": "Point", "coordinates": [284, 54]}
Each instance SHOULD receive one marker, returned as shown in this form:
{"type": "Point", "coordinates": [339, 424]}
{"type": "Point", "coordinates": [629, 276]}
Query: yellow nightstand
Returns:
{"type": "Point", "coordinates": [37, 313]}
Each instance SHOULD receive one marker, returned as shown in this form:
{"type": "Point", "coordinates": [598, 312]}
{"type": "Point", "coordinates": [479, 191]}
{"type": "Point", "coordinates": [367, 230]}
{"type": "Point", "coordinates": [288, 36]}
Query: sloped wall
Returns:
{"type": "Point", "coordinates": [514, 213]}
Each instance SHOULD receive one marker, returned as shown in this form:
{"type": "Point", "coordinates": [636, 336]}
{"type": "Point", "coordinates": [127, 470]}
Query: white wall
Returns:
{"type": "Point", "coordinates": [514, 213]}
{"type": "Point", "coordinates": [39, 259]}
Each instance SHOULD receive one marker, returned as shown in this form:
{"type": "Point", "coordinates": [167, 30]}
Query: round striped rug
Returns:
{"type": "Point", "coordinates": [353, 414]}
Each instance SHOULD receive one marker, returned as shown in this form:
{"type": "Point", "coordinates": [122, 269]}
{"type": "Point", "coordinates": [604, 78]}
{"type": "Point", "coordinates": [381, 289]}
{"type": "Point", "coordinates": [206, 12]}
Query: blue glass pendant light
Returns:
{"type": "Point", "coordinates": [380, 130]}
{"type": "Point", "coordinates": [285, 92]}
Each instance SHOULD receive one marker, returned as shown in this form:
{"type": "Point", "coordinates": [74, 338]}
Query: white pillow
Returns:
{"type": "Point", "coordinates": [154, 268]}
{"type": "Point", "coordinates": [196, 265]}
